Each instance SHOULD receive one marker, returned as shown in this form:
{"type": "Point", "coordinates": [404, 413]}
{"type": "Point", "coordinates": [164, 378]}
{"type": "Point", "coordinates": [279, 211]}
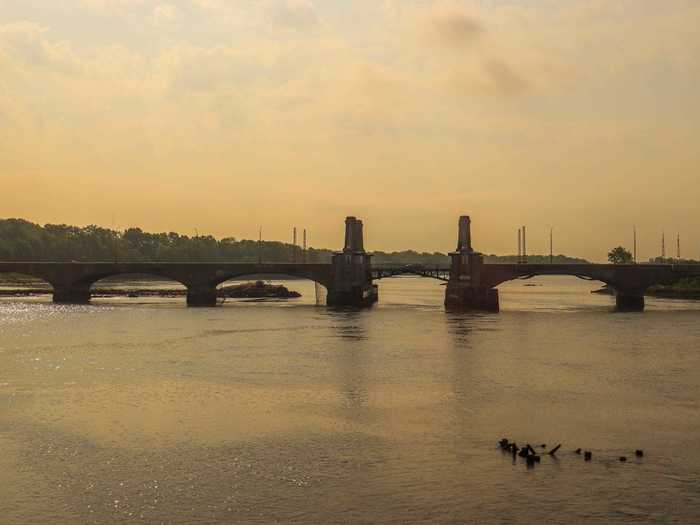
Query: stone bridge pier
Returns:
{"type": "Point", "coordinates": [351, 271]}
{"type": "Point", "coordinates": [629, 300]}
{"type": "Point", "coordinates": [466, 289]}
{"type": "Point", "coordinates": [201, 294]}
{"type": "Point", "coordinates": [71, 293]}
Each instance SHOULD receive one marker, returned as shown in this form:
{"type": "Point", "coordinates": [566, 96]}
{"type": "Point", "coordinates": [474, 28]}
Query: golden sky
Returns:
{"type": "Point", "coordinates": [224, 115]}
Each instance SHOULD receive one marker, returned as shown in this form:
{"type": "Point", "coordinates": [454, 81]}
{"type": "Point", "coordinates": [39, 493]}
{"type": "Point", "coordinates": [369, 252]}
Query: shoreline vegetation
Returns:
{"type": "Point", "coordinates": [21, 286]}
{"type": "Point", "coordinates": [21, 240]}
{"type": "Point", "coordinates": [247, 290]}
{"type": "Point", "coordinates": [687, 289]}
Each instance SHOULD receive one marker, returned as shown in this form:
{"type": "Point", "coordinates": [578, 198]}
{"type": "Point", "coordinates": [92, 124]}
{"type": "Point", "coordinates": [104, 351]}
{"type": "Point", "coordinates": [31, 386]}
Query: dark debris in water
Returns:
{"type": "Point", "coordinates": [531, 457]}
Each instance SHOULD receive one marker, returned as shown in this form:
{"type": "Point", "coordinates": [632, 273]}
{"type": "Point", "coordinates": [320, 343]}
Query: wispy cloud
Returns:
{"type": "Point", "coordinates": [330, 94]}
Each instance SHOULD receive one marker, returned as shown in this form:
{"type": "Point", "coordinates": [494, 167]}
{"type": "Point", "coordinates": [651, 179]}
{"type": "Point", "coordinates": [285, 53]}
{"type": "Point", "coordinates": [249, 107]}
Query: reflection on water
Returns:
{"type": "Point", "coordinates": [143, 411]}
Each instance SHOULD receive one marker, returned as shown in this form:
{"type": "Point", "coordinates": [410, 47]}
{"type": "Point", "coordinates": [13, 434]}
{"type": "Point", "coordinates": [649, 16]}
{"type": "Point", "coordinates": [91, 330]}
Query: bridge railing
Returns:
{"type": "Point", "coordinates": [102, 260]}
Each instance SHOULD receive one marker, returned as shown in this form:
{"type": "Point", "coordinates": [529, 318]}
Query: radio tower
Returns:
{"type": "Point", "coordinates": [678, 247]}
{"type": "Point", "coordinates": [304, 252]}
{"type": "Point", "coordinates": [663, 245]}
{"type": "Point", "coordinates": [294, 246]}
{"type": "Point", "coordinates": [551, 245]}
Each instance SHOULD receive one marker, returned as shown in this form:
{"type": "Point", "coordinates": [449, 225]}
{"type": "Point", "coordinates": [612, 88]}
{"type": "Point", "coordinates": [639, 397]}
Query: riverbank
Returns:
{"type": "Point", "coordinates": [687, 289]}
{"type": "Point", "coordinates": [248, 290]}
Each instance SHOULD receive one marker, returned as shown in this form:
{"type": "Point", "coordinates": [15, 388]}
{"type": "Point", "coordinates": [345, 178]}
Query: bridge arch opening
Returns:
{"type": "Point", "coordinates": [13, 284]}
{"type": "Point", "coordinates": [555, 291]}
{"type": "Point", "coordinates": [299, 289]}
{"type": "Point", "coordinates": [136, 285]}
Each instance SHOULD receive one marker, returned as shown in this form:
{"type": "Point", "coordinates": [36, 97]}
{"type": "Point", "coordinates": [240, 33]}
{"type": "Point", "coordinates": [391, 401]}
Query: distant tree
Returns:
{"type": "Point", "coordinates": [22, 240]}
{"type": "Point", "coordinates": [620, 255]}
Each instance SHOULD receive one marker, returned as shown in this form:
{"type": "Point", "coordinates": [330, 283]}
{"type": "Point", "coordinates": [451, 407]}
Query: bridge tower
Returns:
{"type": "Point", "coordinates": [351, 284]}
{"type": "Point", "coordinates": [465, 289]}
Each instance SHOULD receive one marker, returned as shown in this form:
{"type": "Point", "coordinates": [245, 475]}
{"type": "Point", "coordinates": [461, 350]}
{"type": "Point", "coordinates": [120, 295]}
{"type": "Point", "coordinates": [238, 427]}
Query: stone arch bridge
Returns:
{"type": "Point", "coordinates": [349, 277]}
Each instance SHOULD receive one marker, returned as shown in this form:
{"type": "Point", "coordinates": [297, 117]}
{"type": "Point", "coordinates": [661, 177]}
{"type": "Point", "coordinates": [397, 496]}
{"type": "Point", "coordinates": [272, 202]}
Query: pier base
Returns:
{"type": "Point", "coordinates": [201, 297]}
{"type": "Point", "coordinates": [358, 296]}
{"type": "Point", "coordinates": [629, 302]}
{"type": "Point", "coordinates": [460, 297]}
{"type": "Point", "coordinates": [72, 295]}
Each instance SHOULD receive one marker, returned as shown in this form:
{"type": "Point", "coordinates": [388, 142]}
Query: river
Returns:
{"type": "Point", "coordinates": [256, 412]}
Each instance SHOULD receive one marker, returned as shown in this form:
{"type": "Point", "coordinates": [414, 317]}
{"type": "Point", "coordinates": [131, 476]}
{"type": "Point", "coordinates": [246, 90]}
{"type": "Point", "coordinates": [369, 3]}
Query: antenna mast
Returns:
{"type": "Point", "coordinates": [305, 246]}
{"type": "Point", "coordinates": [294, 246]}
{"type": "Point", "coordinates": [551, 245]}
{"type": "Point", "coordinates": [663, 245]}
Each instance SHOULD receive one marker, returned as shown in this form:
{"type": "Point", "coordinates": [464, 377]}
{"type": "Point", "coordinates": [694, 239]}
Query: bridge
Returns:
{"type": "Point", "coordinates": [349, 277]}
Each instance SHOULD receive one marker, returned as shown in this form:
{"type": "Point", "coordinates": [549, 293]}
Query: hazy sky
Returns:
{"type": "Point", "coordinates": [223, 115]}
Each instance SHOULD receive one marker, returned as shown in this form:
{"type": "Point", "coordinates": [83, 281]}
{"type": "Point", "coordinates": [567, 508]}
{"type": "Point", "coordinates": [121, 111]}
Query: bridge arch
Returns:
{"type": "Point", "coordinates": [319, 273]}
{"type": "Point", "coordinates": [269, 276]}
{"type": "Point", "coordinates": [496, 274]}
{"type": "Point", "coordinates": [136, 280]}
{"type": "Point", "coordinates": [26, 280]}
{"type": "Point", "coordinates": [411, 270]}
{"type": "Point", "coordinates": [91, 279]}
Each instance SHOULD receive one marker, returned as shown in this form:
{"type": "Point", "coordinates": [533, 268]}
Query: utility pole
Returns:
{"type": "Point", "coordinates": [551, 245]}
{"type": "Point", "coordinates": [114, 239]}
{"type": "Point", "coordinates": [294, 246]}
{"type": "Point", "coordinates": [305, 246]}
{"type": "Point", "coordinates": [634, 256]}
{"type": "Point", "coordinates": [678, 247]}
{"type": "Point", "coordinates": [524, 247]}
{"type": "Point", "coordinates": [663, 245]}
{"type": "Point", "coordinates": [520, 246]}
{"type": "Point", "coordinates": [260, 246]}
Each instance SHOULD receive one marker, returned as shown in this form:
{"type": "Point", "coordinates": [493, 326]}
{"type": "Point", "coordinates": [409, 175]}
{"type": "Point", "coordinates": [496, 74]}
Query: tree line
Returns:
{"type": "Point", "coordinates": [21, 240]}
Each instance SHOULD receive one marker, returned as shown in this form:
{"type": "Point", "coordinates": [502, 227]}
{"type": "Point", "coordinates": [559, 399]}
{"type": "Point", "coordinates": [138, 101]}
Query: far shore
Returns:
{"type": "Point", "coordinates": [664, 292]}
{"type": "Point", "coordinates": [27, 287]}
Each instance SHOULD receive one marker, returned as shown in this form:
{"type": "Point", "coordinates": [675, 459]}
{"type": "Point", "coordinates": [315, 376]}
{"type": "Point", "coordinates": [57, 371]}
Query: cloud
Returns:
{"type": "Point", "coordinates": [114, 5]}
{"type": "Point", "coordinates": [501, 78]}
{"type": "Point", "coordinates": [190, 69]}
{"type": "Point", "coordinates": [294, 14]}
{"type": "Point", "coordinates": [165, 15]}
{"type": "Point", "coordinates": [206, 90]}
{"type": "Point", "coordinates": [26, 43]}
{"type": "Point", "coordinates": [455, 28]}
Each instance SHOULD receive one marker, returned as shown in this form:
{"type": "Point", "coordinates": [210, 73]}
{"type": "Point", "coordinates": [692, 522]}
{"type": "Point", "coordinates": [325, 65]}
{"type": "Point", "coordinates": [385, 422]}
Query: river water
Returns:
{"type": "Point", "coordinates": [144, 411]}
